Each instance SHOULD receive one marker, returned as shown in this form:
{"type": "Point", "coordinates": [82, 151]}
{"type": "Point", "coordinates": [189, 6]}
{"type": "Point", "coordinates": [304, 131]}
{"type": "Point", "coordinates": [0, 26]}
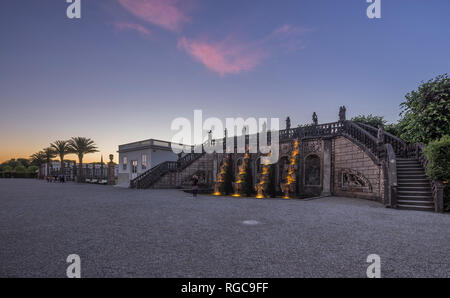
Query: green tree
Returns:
{"type": "Point", "coordinates": [82, 146]}
{"type": "Point", "coordinates": [20, 169]}
{"type": "Point", "coordinates": [376, 121]}
{"type": "Point", "coordinates": [426, 111]}
{"type": "Point", "coordinates": [32, 169]}
{"type": "Point", "coordinates": [371, 120]}
{"type": "Point", "coordinates": [12, 163]}
{"type": "Point", "coordinates": [38, 159]}
{"type": "Point", "coordinates": [49, 154]}
{"type": "Point", "coordinates": [25, 162]}
{"type": "Point", "coordinates": [61, 148]}
{"type": "Point", "coordinates": [7, 171]}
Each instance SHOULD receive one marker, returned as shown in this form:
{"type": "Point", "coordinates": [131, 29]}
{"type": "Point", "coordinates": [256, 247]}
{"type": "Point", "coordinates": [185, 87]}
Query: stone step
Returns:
{"type": "Point", "coordinates": [407, 172]}
{"type": "Point", "coordinates": [412, 194]}
{"type": "Point", "coordinates": [401, 176]}
{"type": "Point", "coordinates": [417, 208]}
{"type": "Point", "coordinates": [416, 203]}
{"type": "Point", "coordinates": [417, 197]}
{"type": "Point", "coordinates": [414, 188]}
{"type": "Point", "coordinates": [424, 183]}
{"type": "Point", "coordinates": [408, 167]}
{"type": "Point", "coordinates": [412, 180]}
{"type": "Point", "coordinates": [409, 164]}
{"type": "Point", "coordinates": [406, 159]}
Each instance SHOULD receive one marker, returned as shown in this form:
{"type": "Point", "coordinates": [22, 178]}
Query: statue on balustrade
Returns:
{"type": "Point", "coordinates": [315, 119]}
{"type": "Point", "coordinates": [288, 123]}
{"type": "Point", "coordinates": [342, 112]}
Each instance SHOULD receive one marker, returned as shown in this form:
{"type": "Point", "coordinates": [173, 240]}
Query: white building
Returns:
{"type": "Point", "coordinates": [136, 158]}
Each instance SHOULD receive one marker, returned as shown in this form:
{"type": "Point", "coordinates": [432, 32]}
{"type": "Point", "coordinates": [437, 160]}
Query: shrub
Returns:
{"type": "Point", "coordinates": [438, 168]}
{"type": "Point", "coordinates": [438, 155]}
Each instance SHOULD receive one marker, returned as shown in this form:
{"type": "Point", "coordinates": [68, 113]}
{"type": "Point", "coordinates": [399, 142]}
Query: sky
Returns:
{"type": "Point", "coordinates": [127, 68]}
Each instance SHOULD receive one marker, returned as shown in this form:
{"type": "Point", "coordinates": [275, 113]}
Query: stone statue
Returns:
{"type": "Point", "coordinates": [210, 137]}
{"type": "Point", "coordinates": [380, 135]}
{"type": "Point", "coordinates": [342, 111]}
{"type": "Point", "coordinates": [315, 119]}
{"type": "Point", "coordinates": [225, 133]}
{"type": "Point", "coordinates": [288, 123]}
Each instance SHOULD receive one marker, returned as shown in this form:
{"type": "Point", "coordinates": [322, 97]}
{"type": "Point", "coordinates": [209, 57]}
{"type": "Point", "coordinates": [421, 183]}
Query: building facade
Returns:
{"type": "Point", "coordinates": [139, 157]}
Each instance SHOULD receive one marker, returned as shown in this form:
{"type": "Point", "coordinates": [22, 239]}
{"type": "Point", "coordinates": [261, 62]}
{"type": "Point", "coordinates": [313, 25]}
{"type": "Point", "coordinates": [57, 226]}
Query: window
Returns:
{"type": "Point", "coordinates": [124, 162]}
{"type": "Point", "coordinates": [144, 161]}
{"type": "Point", "coordinates": [134, 165]}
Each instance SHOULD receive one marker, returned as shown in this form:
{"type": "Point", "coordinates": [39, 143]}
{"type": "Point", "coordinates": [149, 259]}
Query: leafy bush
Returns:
{"type": "Point", "coordinates": [438, 155]}
{"type": "Point", "coordinates": [438, 168]}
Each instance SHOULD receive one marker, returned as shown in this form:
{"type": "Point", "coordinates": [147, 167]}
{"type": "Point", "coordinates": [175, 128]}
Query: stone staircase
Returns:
{"type": "Point", "coordinates": [414, 188]}
{"type": "Point", "coordinates": [150, 177]}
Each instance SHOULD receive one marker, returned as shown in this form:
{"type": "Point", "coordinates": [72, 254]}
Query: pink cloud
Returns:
{"type": "Point", "coordinates": [287, 37]}
{"type": "Point", "coordinates": [225, 57]}
{"type": "Point", "coordinates": [164, 13]}
{"type": "Point", "coordinates": [131, 26]}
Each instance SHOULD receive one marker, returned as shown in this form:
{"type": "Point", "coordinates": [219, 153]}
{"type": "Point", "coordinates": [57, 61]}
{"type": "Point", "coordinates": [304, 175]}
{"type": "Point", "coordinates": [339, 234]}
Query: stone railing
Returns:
{"type": "Point", "coordinates": [363, 137]}
{"type": "Point", "coordinates": [436, 186]}
{"type": "Point", "coordinates": [148, 178]}
{"type": "Point", "coordinates": [399, 146]}
{"type": "Point", "coordinates": [390, 176]}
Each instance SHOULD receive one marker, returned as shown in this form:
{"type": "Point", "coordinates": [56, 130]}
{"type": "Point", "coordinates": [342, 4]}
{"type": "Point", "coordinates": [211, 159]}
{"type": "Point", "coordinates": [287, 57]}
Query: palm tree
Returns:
{"type": "Point", "coordinates": [81, 146]}
{"type": "Point", "coordinates": [61, 148]}
{"type": "Point", "coordinates": [38, 159]}
{"type": "Point", "coordinates": [49, 153]}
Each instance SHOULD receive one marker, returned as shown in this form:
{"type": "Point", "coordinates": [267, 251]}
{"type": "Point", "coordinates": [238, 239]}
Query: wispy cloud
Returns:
{"type": "Point", "coordinates": [123, 26]}
{"type": "Point", "coordinates": [232, 57]}
{"type": "Point", "coordinates": [288, 37]}
{"type": "Point", "coordinates": [164, 13]}
{"type": "Point", "coordinates": [224, 57]}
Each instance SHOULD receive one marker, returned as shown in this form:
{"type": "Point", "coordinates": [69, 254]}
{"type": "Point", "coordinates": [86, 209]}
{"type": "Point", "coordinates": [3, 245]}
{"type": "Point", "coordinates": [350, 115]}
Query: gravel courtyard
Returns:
{"type": "Point", "coordinates": [165, 233]}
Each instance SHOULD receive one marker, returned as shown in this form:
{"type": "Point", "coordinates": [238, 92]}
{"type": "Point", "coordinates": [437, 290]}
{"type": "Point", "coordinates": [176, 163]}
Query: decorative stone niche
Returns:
{"type": "Point", "coordinates": [351, 180]}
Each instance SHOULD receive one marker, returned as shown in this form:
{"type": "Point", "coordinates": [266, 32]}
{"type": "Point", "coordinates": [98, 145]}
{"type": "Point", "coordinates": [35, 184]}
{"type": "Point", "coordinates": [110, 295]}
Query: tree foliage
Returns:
{"type": "Point", "coordinates": [438, 155]}
{"type": "Point", "coordinates": [426, 111]}
{"type": "Point", "coordinates": [371, 120]}
{"type": "Point", "coordinates": [377, 121]}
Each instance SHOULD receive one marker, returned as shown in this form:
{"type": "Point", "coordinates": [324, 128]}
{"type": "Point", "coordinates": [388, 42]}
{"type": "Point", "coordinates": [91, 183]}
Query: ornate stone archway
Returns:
{"type": "Point", "coordinates": [312, 170]}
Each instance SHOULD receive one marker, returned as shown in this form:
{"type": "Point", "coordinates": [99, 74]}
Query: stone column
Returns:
{"type": "Point", "coordinates": [111, 166]}
{"type": "Point", "coordinates": [215, 167]}
{"type": "Point", "coordinates": [326, 188]}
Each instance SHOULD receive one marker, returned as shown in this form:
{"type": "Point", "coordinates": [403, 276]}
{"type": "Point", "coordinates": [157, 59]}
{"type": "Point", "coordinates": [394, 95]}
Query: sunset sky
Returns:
{"type": "Point", "coordinates": [127, 68]}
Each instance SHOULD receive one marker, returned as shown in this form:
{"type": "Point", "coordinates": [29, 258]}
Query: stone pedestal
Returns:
{"type": "Point", "coordinates": [111, 166]}
{"type": "Point", "coordinates": [326, 188]}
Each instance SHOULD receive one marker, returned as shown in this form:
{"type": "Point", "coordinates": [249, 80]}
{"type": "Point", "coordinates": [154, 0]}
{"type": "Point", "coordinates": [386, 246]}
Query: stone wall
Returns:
{"type": "Point", "coordinates": [355, 173]}
{"type": "Point", "coordinates": [346, 170]}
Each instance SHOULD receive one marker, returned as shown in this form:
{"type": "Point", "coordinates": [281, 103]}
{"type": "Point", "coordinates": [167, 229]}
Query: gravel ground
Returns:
{"type": "Point", "coordinates": [165, 233]}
